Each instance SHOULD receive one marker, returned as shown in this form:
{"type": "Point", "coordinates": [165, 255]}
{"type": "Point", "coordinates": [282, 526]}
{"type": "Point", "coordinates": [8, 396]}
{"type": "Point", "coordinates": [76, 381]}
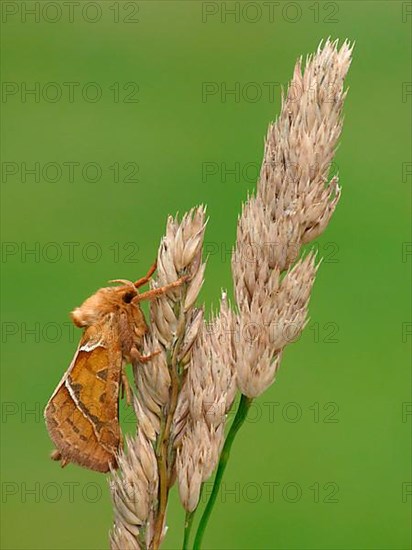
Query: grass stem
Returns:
{"type": "Point", "coordinates": [241, 414]}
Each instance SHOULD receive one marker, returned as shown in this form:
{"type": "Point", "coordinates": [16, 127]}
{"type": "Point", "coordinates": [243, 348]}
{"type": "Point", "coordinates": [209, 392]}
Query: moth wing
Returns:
{"type": "Point", "coordinates": [82, 414]}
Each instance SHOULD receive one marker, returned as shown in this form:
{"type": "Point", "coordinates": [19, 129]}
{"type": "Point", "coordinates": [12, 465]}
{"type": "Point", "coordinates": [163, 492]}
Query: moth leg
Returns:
{"type": "Point", "coordinates": [137, 356]}
{"type": "Point", "coordinates": [143, 280]}
{"type": "Point", "coordinates": [155, 292]}
{"type": "Point", "coordinates": [126, 389]}
{"type": "Point", "coordinates": [56, 455]}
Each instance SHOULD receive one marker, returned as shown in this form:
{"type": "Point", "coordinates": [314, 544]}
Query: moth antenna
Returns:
{"type": "Point", "coordinates": [143, 280]}
{"type": "Point", "coordinates": [122, 281]}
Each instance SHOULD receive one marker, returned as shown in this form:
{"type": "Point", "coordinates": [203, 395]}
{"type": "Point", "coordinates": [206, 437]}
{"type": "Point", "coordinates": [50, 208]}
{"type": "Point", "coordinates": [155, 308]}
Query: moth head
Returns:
{"type": "Point", "coordinates": [104, 301]}
{"type": "Point", "coordinates": [128, 295]}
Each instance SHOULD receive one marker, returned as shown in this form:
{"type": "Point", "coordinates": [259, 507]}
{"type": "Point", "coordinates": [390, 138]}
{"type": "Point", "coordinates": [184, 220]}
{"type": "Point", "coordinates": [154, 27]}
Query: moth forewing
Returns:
{"type": "Point", "coordinates": [82, 414]}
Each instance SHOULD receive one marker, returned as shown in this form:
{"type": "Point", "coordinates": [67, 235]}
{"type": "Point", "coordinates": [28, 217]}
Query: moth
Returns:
{"type": "Point", "coordinates": [82, 415]}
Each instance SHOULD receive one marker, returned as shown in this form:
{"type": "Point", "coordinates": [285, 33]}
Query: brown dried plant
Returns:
{"type": "Point", "coordinates": [184, 393]}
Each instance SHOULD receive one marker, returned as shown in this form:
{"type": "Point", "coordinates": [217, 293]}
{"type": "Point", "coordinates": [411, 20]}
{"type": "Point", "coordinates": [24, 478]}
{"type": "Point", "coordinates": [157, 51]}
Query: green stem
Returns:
{"type": "Point", "coordinates": [238, 421]}
{"type": "Point", "coordinates": [188, 527]}
{"type": "Point", "coordinates": [190, 516]}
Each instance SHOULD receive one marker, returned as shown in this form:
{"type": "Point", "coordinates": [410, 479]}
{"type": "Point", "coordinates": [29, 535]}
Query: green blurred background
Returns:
{"type": "Point", "coordinates": [324, 461]}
